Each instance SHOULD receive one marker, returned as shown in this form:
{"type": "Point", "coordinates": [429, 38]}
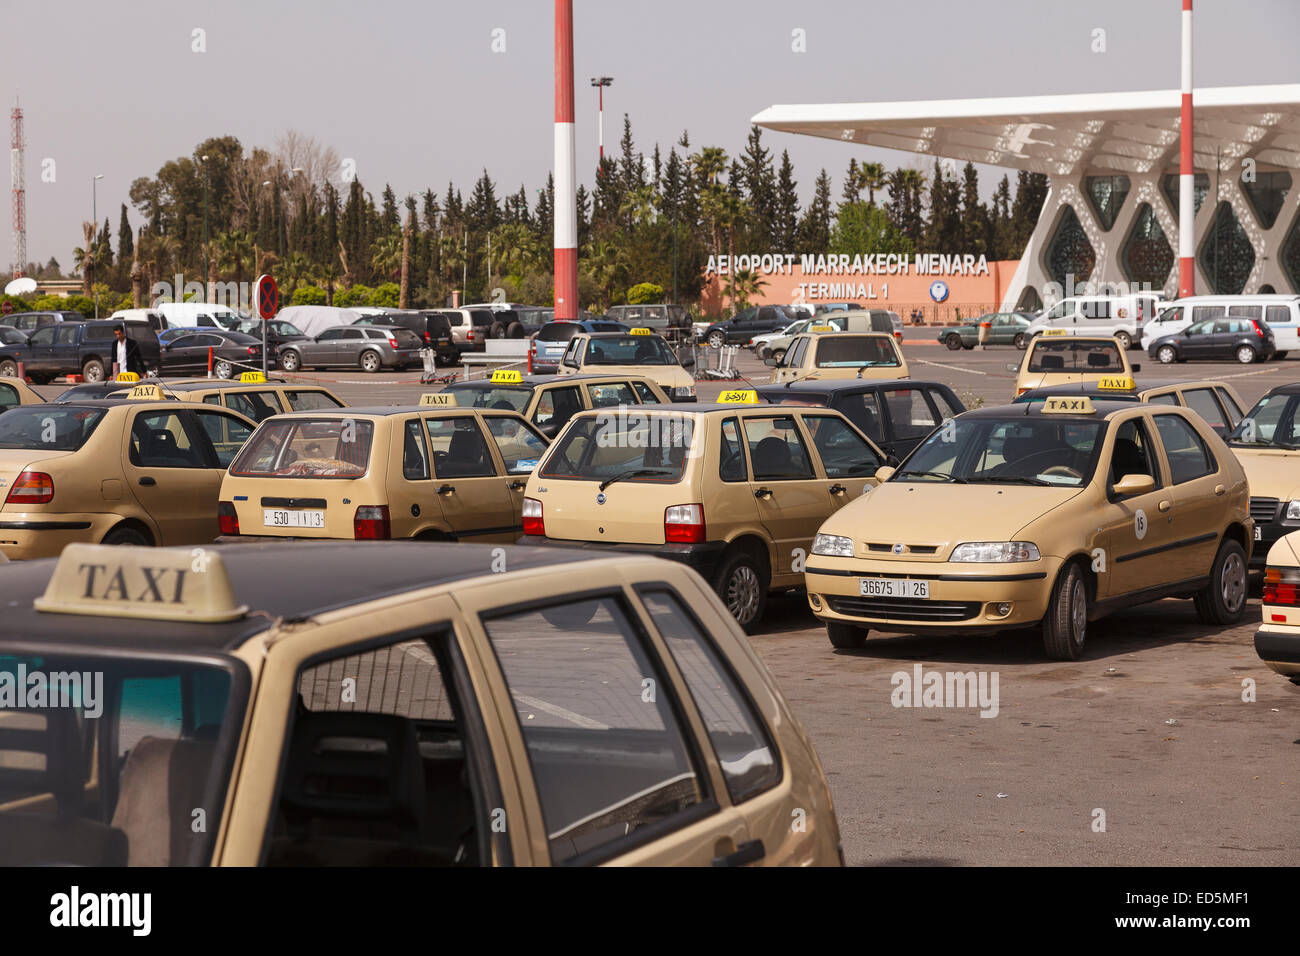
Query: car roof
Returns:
{"type": "Point", "coordinates": [1104, 409]}
{"type": "Point", "coordinates": [851, 386]}
{"type": "Point", "coordinates": [1290, 388]}
{"type": "Point", "coordinates": [276, 581]}
{"type": "Point", "coordinates": [384, 411]}
{"type": "Point", "coordinates": [223, 384]}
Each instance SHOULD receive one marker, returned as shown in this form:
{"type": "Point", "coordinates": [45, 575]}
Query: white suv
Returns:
{"type": "Point", "coordinates": [1123, 316]}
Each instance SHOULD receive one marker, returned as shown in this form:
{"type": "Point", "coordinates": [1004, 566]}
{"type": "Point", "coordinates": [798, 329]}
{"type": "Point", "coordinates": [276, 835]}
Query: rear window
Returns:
{"type": "Point", "coordinates": [307, 448]}
{"type": "Point", "coordinates": [854, 352]}
{"type": "Point", "coordinates": [1073, 355]}
{"type": "Point", "coordinates": [306, 401]}
{"type": "Point", "coordinates": [560, 331]}
{"type": "Point", "coordinates": [48, 428]}
{"type": "Point", "coordinates": [627, 445]}
{"type": "Point", "coordinates": [481, 317]}
{"type": "Point", "coordinates": [629, 350]}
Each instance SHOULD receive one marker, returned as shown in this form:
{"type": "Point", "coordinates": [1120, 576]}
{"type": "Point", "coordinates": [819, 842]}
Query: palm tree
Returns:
{"type": "Point", "coordinates": [742, 286]}
{"type": "Point", "coordinates": [871, 176]}
{"type": "Point", "coordinates": [731, 210]}
{"type": "Point", "coordinates": [709, 164]}
{"type": "Point", "coordinates": [233, 248]}
{"type": "Point", "coordinates": [404, 298]}
{"type": "Point", "coordinates": [386, 256]}
{"type": "Point", "coordinates": [638, 206]}
{"type": "Point", "coordinates": [84, 257]}
{"type": "Point", "coordinates": [606, 264]}
{"type": "Point", "coordinates": [296, 269]}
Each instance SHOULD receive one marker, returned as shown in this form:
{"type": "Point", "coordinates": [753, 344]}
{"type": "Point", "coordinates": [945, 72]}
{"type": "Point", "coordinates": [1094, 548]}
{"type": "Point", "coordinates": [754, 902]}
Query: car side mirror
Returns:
{"type": "Point", "coordinates": [1135, 485]}
{"type": "Point", "coordinates": [1135, 366]}
{"type": "Point", "coordinates": [772, 362]}
{"type": "Point", "coordinates": [892, 461]}
{"type": "Point", "coordinates": [884, 473]}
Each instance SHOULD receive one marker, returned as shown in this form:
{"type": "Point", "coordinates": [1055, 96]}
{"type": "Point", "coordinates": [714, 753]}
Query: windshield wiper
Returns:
{"type": "Point", "coordinates": [1011, 480]}
{"type": "Point", "coordinates": [933, 474]}
{"type": "Point", "coordinates": [639, 473]}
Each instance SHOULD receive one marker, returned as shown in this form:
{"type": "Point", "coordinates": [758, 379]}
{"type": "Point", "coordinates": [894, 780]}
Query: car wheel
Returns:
{"type": "Point", "coordinates": [741, 582]}
{"type": "Point", "coordinates": [1167, 355]}
{"type": "Point", "coordinates": [1065, 626]}
{"type": "Point", "coordinates": [846, 637]}
{"type": "Point", "coordinates": [515, 330]}
{"type": "Point", "coordinates": [223, 369]}
{"type": "Point", "coordinates": [762, 353]}
{"type": "Point", "coordinates": [124, 534]}
{"type": "Point", "coordinates": [370, 361]}
{"type": "Point", "coordinates": [93, 370]}
{"type": "Point", "coordinates": [1125, 340]}
{"type": "Point", "coordinates": [9, 369]}
{"type": "Point", "coordinates": [717, 340]}
{"type": "Point", "coordinates": [1021, 342]}
{"type": "Point", "coordinates": [290, 361]}
{"type": "Point", "coordinates": [953, 342]}
{"type": "Point", "coordinates": [498, 330]}
{"type": "Point", "coordinates": [1278, 356]}
{"type": "Point", "coordinates": [1245, 355]}
{"type": "Point", "coordinates": [1223, 600]}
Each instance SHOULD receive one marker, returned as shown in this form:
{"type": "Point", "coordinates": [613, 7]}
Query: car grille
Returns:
{"type": "Point", "coordinates": [904, 609]}
{"type": "Point", "coordinates": [1263, 509]}
{"type": "Point", "coordinates": [887, 547]}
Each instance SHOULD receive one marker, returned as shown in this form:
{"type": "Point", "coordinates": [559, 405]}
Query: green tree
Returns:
{"type": "Point", "coordinates": [308, 295]}
{"type": "Point", "coordinates": [645, 292]}
{"type": "Point", "coordinates": [862, 229]}
{"type": "Point", "coordinates": [815, 227]}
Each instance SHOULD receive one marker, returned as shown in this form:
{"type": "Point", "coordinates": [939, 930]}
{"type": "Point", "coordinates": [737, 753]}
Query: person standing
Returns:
{"type": "Point", "coordinates": [126, 353]}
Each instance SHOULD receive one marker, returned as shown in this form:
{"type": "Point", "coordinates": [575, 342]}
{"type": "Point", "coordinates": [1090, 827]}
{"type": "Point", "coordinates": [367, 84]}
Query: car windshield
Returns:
{"type": "Point", "coordinates": [1272, 422]}
{"type": "Point", "coordinates": [1075, 355]}
{"type": "Point", "coordinates": [88, 758]}
{"type": "Point", "coordinates": [855, 352]}
{"type": "Point", "coordinates": [307, 448]}
{"type": "Point", "coordinates": [623, 445]}
{"type": "Point", "coordinates": [629, 350]}
{"type": "Point", "coordinates": [512, 398]}
{"type": "Point", "coordinates": [1044, 450]}
{"type": "Point", "coordinates": [48, 428]}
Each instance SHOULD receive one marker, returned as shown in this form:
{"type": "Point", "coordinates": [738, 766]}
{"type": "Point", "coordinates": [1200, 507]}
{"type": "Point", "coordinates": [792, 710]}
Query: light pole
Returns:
{"type": "Point", "coordinates": [206, 277]}
{"type": "Point", "coordinates": [600, 82]}
{"type": "Point", "coordinates": [93, 251]}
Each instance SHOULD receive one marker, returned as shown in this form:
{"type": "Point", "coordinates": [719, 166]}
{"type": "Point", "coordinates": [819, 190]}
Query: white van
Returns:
{"type": "Point", "coordinates": [155, 319]}
{"type": "Point", "coordinates": [208, 315]}
{"type": "Point", "coordinates": [1280, 312]}
{"type": "Point", "coordinates": [1123, 316]}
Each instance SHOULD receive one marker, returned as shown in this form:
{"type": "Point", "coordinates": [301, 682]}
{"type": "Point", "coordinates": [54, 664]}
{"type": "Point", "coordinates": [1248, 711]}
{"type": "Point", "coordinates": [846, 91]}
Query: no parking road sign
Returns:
{"type": "Point", "coordinates": [267, 296]}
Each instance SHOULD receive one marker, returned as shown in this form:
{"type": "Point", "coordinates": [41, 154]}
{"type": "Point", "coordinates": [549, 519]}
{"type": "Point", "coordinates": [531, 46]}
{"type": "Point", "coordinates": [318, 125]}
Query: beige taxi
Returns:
{"type": "Point", "coordinates": [735, 490]}
{"type": "Point", "coordinates": [1267, 443]}
{"type": "Point", "coordinates": [434, 471]}
{"type": "Point", "coordinates": [252, 395]}
{"type": "Point", "coordinates": [1057, 358]}
{"type": "Point", "coordinates": [1047, 515]}
{"type": "Point", "coordinates": [830, 355]}
{"type": "Point", "coordinates": [381, 704]}
{"type": "Point", "coordinates": [1277, 642]}
{"type": "Point", "coordinates": [15, 392]}
{"type": "Point", "coordinates": [129, 471]}
{"type": "Point", "coordinates": [635, 352]}
{"type": "Point", "coordinates": [549, 401]}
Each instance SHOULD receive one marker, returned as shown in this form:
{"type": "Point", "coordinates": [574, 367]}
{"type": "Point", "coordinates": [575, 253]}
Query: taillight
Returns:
{"type": "Point", "coordinates": [532, 513]}
{"type": "Point", "coordinates": [684, 524]}
{"type": "Point", "coordinates": [370, 523]}
{"type": "Point", "coordinates": [1258, 331]}
{"type": "Point", "coordinates": [227, 518]}
{"type": "Point", "coordinates": [392, 342]}
{"type": "Point", "coordinates": [427, 336]}
{"type": "Point", "coordinates": [1282, 586]}
{"type": "Point", "coordinates": [252, 350]}
{"type": "Point", "coordinates": [31, 488]}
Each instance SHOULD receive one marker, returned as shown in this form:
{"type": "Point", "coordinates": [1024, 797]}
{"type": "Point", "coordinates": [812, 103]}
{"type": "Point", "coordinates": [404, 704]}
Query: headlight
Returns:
{"type": "Point", "coordinates": [684, 391]}
{"type": "Point", "coordinates": [833, 545]}
{"type": "Point", "coordinates": [996, 552]}
{"type": "Point", "coordinates": [1293, 510]}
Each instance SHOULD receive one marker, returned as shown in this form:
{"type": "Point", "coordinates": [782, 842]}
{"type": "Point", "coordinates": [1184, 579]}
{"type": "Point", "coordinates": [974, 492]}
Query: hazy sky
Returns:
{"type": "Point", "coordinates": [414, 94]}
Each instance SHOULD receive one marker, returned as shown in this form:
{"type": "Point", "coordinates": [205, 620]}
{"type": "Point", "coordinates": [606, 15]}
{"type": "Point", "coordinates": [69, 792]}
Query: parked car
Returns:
{"type": "Point", "coordinates": [31, 321]}
{"type": "Point", "coordinates": [1246, 340]}
{"type": "Point", "coordinates": [552, 339]}
{"type": "Point", "coordinates": [350, 346]}
{"type": "Point", "coordinates": [207, 315]}
{"type": "Point", "coordinates": [673, 322]}
{"type": "Point", "coordinates": [1121, 316]}
{"type": "Point", "coordinates": [1005, 328]}
{"type": "Point", "coordinates": [822, 307]}
{"type": "Point", "coordinates": [775, 343]}
{"type": "Point", "coordinates": [863, 320]}
{"type": "Point", "coordinates": [278, 331]}
{"type": "Point", "coordinates": [1281, 312]}
{"type": "Point", "coordinates": [746, 324]}
{"type": "Point", "coordinates": [76, 348]}
{"type": "Point", "coordinates": [433, 329]}
{"type": "Point", "coordinates": [232, 353]}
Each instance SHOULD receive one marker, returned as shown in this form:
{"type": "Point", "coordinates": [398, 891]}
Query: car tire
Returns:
{"type": "Point", "coordinates": [762, 353]}
{"type": "Point", "coordinates": [1065, 625]}
{"type": "Point", "coordinates": [1278, 356]}
{"type": "Point", "coordinates": [290, 361]}
{"type": "Point", "coordinates": [223, 369]}
{"type": "Point", "coordinates": [125, 534]}
{"type": "Point", "coordinates": [741, 581]}
{"type": "Point", "coordinates": [1245, 355]}
{"type": "Point", "coordinates": [953, 342]}
{"type": "Point", "coordinates": [1167, 355]}
{"type": "Point", "coordinates": [498, 330]}
{"type": "Point", "coordinates": [1124, 339]}
{"type": "Point", "coordinates": [92, 371]}
{"type": "Point", "coordinates": [1223, 600]}
{"type": "Point", "coordinates": [717, 340]}
{"type": "Point", "coordinates": [1021, 342]}
{"type": "Point", "coordinates": [8, 369]}
{"type": "Point", "coordinates": [846, 637]}
{"type": "Point", "coordinates": [515, 330]}
{"type": "Point", "coordinates": [370, 361]}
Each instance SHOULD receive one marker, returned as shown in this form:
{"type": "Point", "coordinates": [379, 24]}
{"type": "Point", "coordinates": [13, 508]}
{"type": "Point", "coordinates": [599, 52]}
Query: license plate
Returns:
{"type": "Point", "coordinates": [894, 588]}
{"type": "Point", "coordinates": [1259, 533]}
{"type": "Point", "coordinates": [272, 518]}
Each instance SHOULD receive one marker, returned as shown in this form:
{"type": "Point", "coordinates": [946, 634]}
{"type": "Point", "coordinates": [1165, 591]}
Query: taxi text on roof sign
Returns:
{"type": "Point", "coordinates": [171, 584]}
{"type": "Point", "coordinates": [252, 377]}
{"type": "Point", "coordinates": [639, 331]}
{"type": "Point", "coordinates": [1069, 404]}
{"type": "Point", "coordinates": [438, 398]}
{"type": "Point", "coordinates": [146, 391]}
{"type": "Point", "coordinates": [1117, 383]}
{"type": "Point", "coordinates": [739, 397]}
{"type": "Point", "coordinates": [822, 328]}
{"type": "Point", "coordinates": [127, 377]}
{"type": "Point", "coordinates": [506, 376]}
{"type": "Point", "coordinates": [1055, 332]}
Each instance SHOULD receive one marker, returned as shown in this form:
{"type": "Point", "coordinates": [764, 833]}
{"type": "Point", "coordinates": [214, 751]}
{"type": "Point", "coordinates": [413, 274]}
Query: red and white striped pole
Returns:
{"type": "Point", "coordinates": [566, 198]}
{"type": "Point", "coordinates": [1186, 171]}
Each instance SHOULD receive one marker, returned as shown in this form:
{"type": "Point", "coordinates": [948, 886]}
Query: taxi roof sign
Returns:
{"type": "Point", "coordinates": [254, 377]}
{"type": "Point", "coordinates": [1068, 405]}
{"type": "Point", "coordinates": [822, 328]}
{"type": "Point", "coordinates": [127, 377]}
{"type": "Point", "coordinates": [439, 398]}
{"type": "Point", "coordinates": [162, 584]}
{"type": "Point", "coordinates": [1123, 383]}
{"type": "Point", "coordinates": [639, 331]}
{"type": "Point", "coordinates": [1055, 332]}
{"type": "Point", "coordinates": [506, 376]}
{"type": "Point", "coordinates": [739, 397]}
{"type": "Point", "coordinates": [147, 391]}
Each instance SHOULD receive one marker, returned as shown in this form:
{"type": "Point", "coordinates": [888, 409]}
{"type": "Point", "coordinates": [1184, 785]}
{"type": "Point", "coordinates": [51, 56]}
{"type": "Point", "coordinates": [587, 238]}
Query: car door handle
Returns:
{"type": "Point", "coordinates": [146, 480]}
{"type": "Point", "coordinates": [1220, 489]}
{"type": "Point", "coordinates": [446, 489]}
{"type": "Point", "coordinates": [837, 489]}
{"type": "Point", "coordinates": [518, 485]}
{"type": "Point", "coordinates": [750, 852]}
{"type": "Point", "coordinates": [763, 493]}
{"type": "Point", "coordinates": [1165, 505]}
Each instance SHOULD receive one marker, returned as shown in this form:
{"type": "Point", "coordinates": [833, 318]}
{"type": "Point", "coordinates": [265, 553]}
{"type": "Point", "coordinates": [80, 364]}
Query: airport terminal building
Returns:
{"type": "Point", "coordinates": [1111, 215]}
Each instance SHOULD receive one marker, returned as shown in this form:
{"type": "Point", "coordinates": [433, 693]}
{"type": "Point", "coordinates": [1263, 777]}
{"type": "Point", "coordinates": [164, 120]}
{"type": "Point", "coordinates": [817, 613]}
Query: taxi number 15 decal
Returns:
{"type": "Point", "coordinates": [1140, 524]}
